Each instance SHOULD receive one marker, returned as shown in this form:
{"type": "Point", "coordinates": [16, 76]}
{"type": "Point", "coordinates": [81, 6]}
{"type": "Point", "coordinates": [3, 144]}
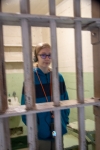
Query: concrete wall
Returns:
{"type": "Point", "coordinates": [12, 35]}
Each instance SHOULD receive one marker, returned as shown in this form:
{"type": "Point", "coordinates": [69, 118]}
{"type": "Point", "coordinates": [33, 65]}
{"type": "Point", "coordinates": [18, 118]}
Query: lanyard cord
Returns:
{"type": "Point", "coordinates": [43, 87]}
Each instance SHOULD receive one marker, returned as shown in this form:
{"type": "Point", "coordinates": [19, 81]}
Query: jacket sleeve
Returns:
{"type": "Point", "coordinates": [64, 113]}
{"type": "Point", "coordinates": [23, 103]}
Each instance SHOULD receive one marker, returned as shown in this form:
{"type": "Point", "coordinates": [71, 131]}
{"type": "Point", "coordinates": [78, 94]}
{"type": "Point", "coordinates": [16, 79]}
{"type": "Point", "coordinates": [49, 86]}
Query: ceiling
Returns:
{"type": "Point", "coordinates": [36, 6]}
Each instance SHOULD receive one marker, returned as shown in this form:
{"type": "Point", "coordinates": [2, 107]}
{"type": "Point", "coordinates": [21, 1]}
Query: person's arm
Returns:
{"type": "Point", "coordinates": [64, 113]}
{"type": "Point", "coordinates": [23, 103]}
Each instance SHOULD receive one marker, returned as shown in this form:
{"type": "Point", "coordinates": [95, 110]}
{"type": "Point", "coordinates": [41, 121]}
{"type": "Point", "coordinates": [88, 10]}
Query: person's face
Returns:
{"type": "Point", "coordinates": [44, 57]}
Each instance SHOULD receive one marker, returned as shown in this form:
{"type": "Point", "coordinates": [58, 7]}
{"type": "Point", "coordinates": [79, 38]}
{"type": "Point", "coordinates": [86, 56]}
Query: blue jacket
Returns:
{"type": "Point", "coordinates": [44, 119]}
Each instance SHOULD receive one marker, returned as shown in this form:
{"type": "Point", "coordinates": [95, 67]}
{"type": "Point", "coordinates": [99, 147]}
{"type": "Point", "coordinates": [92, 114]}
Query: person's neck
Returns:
{"type": "Point", "coordinates": [44, 70]}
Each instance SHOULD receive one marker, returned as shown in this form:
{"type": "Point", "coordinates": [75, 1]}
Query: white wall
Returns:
{"type": "Point", "coordinates": [12, 35]}
{"type": "Point", "coordinates": [65, 38]}
{"type": "Point", "coordinates": [66, 41]}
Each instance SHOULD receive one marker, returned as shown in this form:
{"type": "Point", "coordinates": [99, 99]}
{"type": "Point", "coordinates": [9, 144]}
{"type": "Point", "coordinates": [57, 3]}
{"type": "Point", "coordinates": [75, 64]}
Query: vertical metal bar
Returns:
{"type": "Point", "coordinates": [95, 5]}
{"type": "Point", "coordinates": [29, 76]}
{"type": "Point", "coordinates": [32, 132]}
{"type": "Point", "coordinates": [27, 55]}
{"type": "Point", "coordinates": [2, 133]}
{"type": "Point", "coordinates": [2, 69]}
{"type": "Point", "coordinates": [29, 90]}
{"type": "Point", "coordinates": [79, 75]}
{"type": "Point", "coordinates": [97, 133]}
{"type": "Point", "coordinates": [4, 123]}
{"type": "Point", "coordinates": [7, 133]}
{"type": "Point", "coordinates": [2, 136]}
{"type": "Point", "coordinates": [3, 92]}
{"type": "Point", "coordinates": [52, 9]}
{"type": "Point", "coordinates": [25, 7]}
{"type": "Point", "coordinates": [96, 69]}
{"type": "Point", "coordinates": [28, 73]}
{"type": "Point", "coordinates": [0, 5]}
{"type": "Point", "coordinates": [54, 63]}
{"type": "Point", "coordinates": [1, 74]}
{"type": "Point", "coordinates": [79, 66]}
{"type": "Point", "coordinates": [55, 79]}
{"type": "Point", "coordinates": [77, 10]}
{"type": "Point", "coordinates": [3, 65]}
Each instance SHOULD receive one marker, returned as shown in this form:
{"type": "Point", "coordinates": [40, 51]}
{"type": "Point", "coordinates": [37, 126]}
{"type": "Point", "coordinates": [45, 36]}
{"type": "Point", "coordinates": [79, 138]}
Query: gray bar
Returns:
{"type": "Point", "coordinates": [79, 75]}
{"type": "Point", "coordinates": [28, 76]}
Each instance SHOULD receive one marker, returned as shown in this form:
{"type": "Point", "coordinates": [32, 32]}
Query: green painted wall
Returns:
{"type": "Point", "coordinates": [15, 82]}
{"type": "Point", "coordinates": [70, 79]}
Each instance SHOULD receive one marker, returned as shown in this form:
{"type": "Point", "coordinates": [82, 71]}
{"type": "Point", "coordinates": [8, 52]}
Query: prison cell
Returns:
{"type": "Point", "coordinates": [25, 20]}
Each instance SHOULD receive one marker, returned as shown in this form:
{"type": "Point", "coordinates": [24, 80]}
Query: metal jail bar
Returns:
{"type": "Point", "coordinates": [95, 40]}
{"type": "Point", "coordinates": [79, 75]}
{"type": "Point", "coordinates": [26, 21]}
{"type": "Point", "coordinates": [4, 125]}
{"type": "Point", "coordinates": [28, 75]}
{"type": "Point", "coordinates": [55, 79]}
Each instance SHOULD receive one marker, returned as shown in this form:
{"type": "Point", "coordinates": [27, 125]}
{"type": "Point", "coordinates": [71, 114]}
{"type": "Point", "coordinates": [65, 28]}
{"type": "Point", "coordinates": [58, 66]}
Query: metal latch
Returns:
{"type": "Point", "coordinates": [95, 36]}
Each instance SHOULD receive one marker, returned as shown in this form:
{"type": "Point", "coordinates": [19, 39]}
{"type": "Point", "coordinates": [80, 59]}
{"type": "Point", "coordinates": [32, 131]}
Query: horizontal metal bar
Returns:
{"type": "Point", "coordinates": [90, 26]}
{"type": "Point", "coordinates": [40, 24]}
{"type": "Point", "coordinates": [43, 20]}
{"type": "Point", "coordinates": [45, 107]}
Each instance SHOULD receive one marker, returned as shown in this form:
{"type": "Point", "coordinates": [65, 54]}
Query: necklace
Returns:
{"type": "Point", "coordinates": [44, 90]}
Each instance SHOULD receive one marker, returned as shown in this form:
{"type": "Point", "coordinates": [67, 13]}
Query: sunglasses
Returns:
{"type": "Point", "coordinates": [43, 56]}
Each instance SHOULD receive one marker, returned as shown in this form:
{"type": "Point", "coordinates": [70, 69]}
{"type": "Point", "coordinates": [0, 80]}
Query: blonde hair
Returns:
{"type": "Point", "coordinates": [38, 48]}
